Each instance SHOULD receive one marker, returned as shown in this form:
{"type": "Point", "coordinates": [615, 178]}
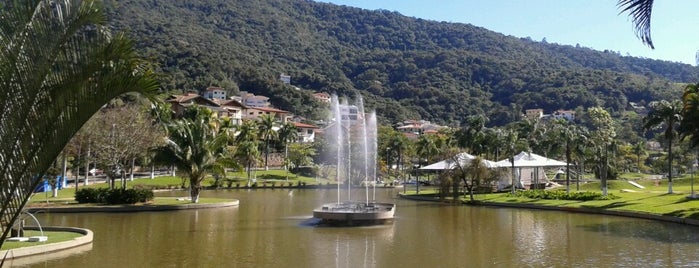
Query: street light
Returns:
{"type": "Point", "coordinates": [388, 164]}
{"type": "Point", "coordinates": [417, 178]}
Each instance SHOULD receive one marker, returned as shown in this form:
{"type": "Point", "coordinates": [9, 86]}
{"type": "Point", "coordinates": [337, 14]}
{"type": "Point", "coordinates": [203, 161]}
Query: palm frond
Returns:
{"type": "Point", "coordinates": [640, 12]}
{"type": "Point", "coordinates": [58, 66]}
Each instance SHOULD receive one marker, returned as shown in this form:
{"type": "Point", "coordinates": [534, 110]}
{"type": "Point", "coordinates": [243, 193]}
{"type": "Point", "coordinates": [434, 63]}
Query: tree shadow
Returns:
{"type": "Point", "coordinates": [663, 232]}
{"type": "Point", "coordinates": [610, 206]}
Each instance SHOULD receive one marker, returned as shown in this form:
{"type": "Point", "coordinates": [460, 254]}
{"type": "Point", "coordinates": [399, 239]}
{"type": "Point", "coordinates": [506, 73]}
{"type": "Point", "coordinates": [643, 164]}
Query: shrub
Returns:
{"type": "Point", "coordinates": [307, 171]}
{"type": "Point", "coordinates": [561, 195]}
{"type": "Point", "coordinates": [113, 196]}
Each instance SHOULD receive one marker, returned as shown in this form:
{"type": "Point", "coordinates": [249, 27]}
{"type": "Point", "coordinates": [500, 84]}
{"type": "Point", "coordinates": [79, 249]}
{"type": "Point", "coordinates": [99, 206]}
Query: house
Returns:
{"type": "Point", "coordinates": [564, 114]}
{"type": "Point", "coordinates": [286, 79]}
{"type": "Point", "coordinates": [180, 102]}
{"type": "Point", "coordinates": [253, 113]}
{"type": "Point", "coordinates": [322, 97]}
{"type": "Point", "coordinates": [215, 93]}
{"type": "Point", "coordinates": [234, 109]}
{"type": "Point", "coordinates": [306, 132]}
{"type": "Point", "coordinates": [350, 113]}
{"type": "Point", "coordinates": [534, 113]}
{"type": "Point", "coordinates": [222, 108]}
{"type": "Point", "coordinates": [418, 127]}
{"type": "Point", "coordinates": [252, 100]}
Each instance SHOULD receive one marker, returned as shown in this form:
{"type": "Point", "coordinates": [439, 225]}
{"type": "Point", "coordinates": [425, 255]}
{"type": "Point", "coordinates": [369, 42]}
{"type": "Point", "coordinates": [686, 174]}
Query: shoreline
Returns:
{"type": "Point", "coordinates": [129, 208]}
{"type": "Point", "coordinates": [619, 213]}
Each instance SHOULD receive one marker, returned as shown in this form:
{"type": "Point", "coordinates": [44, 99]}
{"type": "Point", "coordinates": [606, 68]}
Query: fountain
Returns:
{"type": "Point", "coordinates": [351, 127]}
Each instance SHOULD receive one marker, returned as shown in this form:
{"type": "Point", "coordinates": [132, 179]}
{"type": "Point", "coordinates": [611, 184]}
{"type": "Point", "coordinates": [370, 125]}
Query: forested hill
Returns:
{"type": "Point", "coordinates": [406, 68]}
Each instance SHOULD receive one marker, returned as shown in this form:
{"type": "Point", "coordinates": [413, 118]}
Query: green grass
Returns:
{"type": "Point", "coordinates": [278, 177]}
{"type": "Point", "coordinates": [654, 199]}
{"type": "Point", "coordinates": [53, 237]}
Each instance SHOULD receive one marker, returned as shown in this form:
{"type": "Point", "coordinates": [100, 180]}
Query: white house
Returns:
{"type": "Point", "coordinates": [215, 93]}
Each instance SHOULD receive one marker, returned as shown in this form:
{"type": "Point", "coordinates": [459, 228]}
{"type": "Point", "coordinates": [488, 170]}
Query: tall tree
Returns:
{"type": "Point", "coordinates": [59, 64]}
{"type": "Point", "coordinates": [287, 133]}
{"type": "Point", "coordinates": [197, 149]}
{"type": "Point", "coordinates": [603, 134]}
{"type": "Point", "coordinates": [669, 115]}
{"type": "Point", "coordinates": [266, 127]}
{"type": "Point", "coordinates": [639, 149]}
{"type": "Point", "coordinates": [119, 135]}
{"type": "Point", "coordinates": [246, 149]}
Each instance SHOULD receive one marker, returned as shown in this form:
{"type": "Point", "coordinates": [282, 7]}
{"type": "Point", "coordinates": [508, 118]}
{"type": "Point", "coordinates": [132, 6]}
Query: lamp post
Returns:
{"type": "Point", "coordinates": [388, 165]}
{"type": "Point", "coordinates": [417, 178]}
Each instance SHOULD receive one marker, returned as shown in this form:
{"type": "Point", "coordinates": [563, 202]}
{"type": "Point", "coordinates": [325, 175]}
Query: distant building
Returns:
{"type": "Point", "coordinates": [534, 113]}
{"type": "Point", "coordinates": [564, 114]}
{"type": "Point", "coordinates": [306, 132]}
{"type": "Point", "coordinates": [253, 113]}
{"type": "Point", "coordinates": [350, 113]}
{"type": "Point", "coordinates": [418, 127]}
{"type": "Point", "coordinates": [322, 97]}
{"type": "Point", "coordinates": [215, 93]}
{"type": "Point", "coordinates": [252, 100]}
{"type": "Point", "coordinates": [286, 79]}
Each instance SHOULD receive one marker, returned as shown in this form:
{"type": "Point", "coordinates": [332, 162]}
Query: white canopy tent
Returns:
{"type": "Point", "coordinates": [529, 169]}
{"type": "Point", "coordinates": [463, 159]}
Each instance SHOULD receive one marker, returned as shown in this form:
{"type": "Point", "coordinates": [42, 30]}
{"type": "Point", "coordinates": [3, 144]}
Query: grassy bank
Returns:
{"type": "Point", "coordinates": [53, 237]}
{"type": "Point", "coordinates": [276, 178]}
{"type": "Point", "coordinates": [652, 199]}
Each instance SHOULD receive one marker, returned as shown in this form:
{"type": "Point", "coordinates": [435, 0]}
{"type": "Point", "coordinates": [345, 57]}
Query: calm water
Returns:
{"type": "Point", "coordinates": [272, 228]}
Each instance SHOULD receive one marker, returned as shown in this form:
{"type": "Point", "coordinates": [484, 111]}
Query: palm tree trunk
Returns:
{"type": "Point", "coordinates": [266, 154]}
{"type": "Point", "coordinates": [567, 167]}
{"type": "Point", "coordinates": [133, 163]}
{"type": "Point", "coordinates": [194, 190]}
{"type": "Point", "coordinates": [669, 166]}
{"type": "Point", "coordinates": [87, 165]}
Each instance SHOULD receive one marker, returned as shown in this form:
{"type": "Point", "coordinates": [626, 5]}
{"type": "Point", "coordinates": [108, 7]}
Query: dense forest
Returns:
{"type": "Point", "coordinates": [404, 67]}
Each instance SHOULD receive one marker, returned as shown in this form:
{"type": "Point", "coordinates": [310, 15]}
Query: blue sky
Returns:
{"type": "Point", "coordinates": [595, 24]}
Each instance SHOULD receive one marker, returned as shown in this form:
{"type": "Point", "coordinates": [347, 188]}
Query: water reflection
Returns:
{"type": "Point", "coordinates": [272, 228]}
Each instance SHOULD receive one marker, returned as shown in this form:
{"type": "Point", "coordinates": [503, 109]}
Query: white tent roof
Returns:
{"type": "Point", "coordinates": [525, 159]}
{"type": "Point", "coordinates": [464, 158]}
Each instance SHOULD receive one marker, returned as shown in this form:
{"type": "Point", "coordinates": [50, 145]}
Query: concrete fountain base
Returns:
{"type": "Point", "coordinates": [353, 213]}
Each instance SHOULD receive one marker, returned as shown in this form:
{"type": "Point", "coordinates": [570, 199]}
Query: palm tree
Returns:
{"type": "Point", "coordinates": [247, 146]}
{"type": "Point", "coordinates": [689, 126]}
{"type": "Point", "coordinates": [668, 114]}
{"type": "Point", "coordinates": [266, 127]}
{"type": "Point", "coordinates": [640, 11]}
{"type": "Point", "coordinates": [426, 149]}
{"type": "Point", "coordinates": [639, 149]}
{"type": "Point", "coordinates": [287, 133]}
{"type": "Point", "coordinates": [248, 153]}
{"type": "Point", "coordinates": [58, 66]}
{"type": "Point", "coordinates": [197, 149]}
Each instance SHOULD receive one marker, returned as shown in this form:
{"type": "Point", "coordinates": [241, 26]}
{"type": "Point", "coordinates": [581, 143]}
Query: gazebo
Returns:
{"type": "Point", "coordinates": [463, 158]}
{"type": "Point", "coordinates": [527, 161]}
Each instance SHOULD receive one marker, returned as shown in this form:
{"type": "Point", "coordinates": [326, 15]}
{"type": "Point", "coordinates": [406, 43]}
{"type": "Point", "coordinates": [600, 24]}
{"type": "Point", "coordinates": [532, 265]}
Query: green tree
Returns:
{"type": "Point", "coordinates": [248, 153]}
{"type": "Point", "coordinates": [669, 115]}
{"type": "Point", "coordinates": [639, 149]}
{"type": "Point", "coordinates": [301, 154]}
{"type": "Point", "coordinates": [287, 134]}
{"type": "Point", "coordinates": [59, 64]}
{"type": "Point", "coordinates": [472, 173]}
{"type": "Point", "coordinates": [266, 130]}
{"type": "Point", "coordinates": [603, 134]}
{"type": "Point", "coordinates": [197, 149]}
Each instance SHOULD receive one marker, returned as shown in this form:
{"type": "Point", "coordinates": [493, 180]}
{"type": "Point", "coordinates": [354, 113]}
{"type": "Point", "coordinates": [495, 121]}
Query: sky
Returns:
{"type": "Point", "coordinates": [595, 24]}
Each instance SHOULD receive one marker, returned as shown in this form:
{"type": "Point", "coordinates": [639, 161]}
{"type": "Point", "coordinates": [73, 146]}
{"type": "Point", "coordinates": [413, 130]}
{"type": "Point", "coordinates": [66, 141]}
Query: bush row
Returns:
{"type": "Point", "coordinates": [113, 196]}
{"type": "Point", "coordinates": [561, 195]}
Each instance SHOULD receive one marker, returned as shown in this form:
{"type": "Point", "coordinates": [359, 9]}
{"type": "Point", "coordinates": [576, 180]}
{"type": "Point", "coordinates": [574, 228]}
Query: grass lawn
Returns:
{"type": "Point", "coordinates": [278, 177]}
{"type": "Point", "coordinates": [53, 237]}
{"type": "Point", "coordinates": [653, 199]}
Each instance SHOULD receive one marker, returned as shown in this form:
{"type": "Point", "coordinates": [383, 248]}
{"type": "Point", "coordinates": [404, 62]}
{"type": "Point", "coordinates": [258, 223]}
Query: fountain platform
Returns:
{"type": "Point", "coordinates": [353, 213]}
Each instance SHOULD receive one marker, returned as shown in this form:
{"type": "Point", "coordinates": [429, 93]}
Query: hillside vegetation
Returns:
{"type": "Point", "coordinates": [406, 68]}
